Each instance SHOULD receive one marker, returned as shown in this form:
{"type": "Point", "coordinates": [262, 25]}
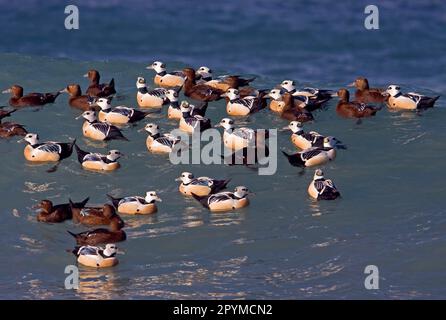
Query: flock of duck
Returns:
{"type": "Point", "coordinates": [102, 121]}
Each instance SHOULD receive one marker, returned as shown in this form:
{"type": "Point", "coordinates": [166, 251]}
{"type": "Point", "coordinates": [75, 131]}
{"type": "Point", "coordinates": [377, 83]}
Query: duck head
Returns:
{"type": "Point", "coordinates": [186, 177]}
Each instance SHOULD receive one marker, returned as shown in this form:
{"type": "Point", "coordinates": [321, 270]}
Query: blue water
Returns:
{"type": "Point", "coordinates": [283, 245]}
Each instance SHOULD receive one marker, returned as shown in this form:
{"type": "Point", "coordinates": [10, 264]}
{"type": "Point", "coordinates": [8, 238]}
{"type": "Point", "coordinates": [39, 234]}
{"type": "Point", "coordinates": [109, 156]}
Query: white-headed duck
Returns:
{"type": "Point", "coordinates": [225, 201]}
{"type": "Point", "coordinates": [137, 204]}
{"type": "Point", "coordinates": [96, 130]}
{"type": "Point", "coordinates": [409, 101]}
{"type": "Point", "coordinates": [321, 188]}
{"type": "Point", "coordinates": [239, 138]}
{"type": "Point", "coordinates": [155, 98]}
{"type": "Point", "coordinates": [201, 186]}
{"type": "Point", "coordinates": [98, 161]}
{"type": "Point", "coordinates": [191, 120]}
{"type": "Point", "coordinates": [164, 78]}
{"type": "Point", "coordinates": [312, 156]}
{"type": "Point", "coordinates": [237, 106]}
{"type": "Point", "coordinates": [162, 143]}
{"type": "Point", "coordinates": [119, 114]}
{"type": "Point", "coordinates": [97, 257]}
{"type": "Point", "coordinates": [304, 140]}
{"type": "Point", "coordinates": [46, 151]}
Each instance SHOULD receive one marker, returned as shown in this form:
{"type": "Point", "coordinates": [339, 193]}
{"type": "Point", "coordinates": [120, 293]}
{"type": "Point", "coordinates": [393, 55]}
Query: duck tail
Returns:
{"type": "Point", "coordinates": [202, 200]}
{"type": "Point", "coordinates": [114, 200]}
{"type": "Point", "coordinates": [82, 203]}
{"type": "Point", "coordinates": [72, 234]}
{"type": "Point", "coordinates": [286, 154]}
{"type": "Point", "coordinates": [111, 84]}
{"type": "Point", "coordinates": [80, 153]}
{"type": "Point", "coordinates": [7, 114]}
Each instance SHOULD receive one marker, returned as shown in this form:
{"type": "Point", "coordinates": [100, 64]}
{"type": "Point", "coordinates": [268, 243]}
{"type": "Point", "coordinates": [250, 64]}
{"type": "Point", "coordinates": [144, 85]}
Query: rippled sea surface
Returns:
{"type": "Point", "coordinates": [284, 245]}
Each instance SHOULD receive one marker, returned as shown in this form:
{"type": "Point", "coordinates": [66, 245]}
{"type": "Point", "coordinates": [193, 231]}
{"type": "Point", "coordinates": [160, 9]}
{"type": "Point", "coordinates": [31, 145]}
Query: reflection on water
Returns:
{"type": "Point", "coordinates": [98, 283]}
{"type": "Point", "coordinates": [227, 218]}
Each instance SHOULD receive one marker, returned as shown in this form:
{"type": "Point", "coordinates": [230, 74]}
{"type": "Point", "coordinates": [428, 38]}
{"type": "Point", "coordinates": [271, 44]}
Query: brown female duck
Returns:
{"type": "Point", "coordinates": [56, 213]}
{"type": "Point", "coordinates": [288, 111]}
{"type": "Point", "coordinates": [10, 129]}
{"type": "Point", "coordinates": [31, 99]}
{"type": "Point", "coordinates": [353, 109]}
{"type": "Point", "coordinates": [365, 94]}
{"type": "Point", "coordinates": [78, 100]}
{"type": "Point", "coordinates": [101, 235]}
{"type": "Point", "coordinates": [200, 92]}
{"type": "Point", "coordinates": [95, 215]}
{"type": "Point", "coordinates": [96, 89]}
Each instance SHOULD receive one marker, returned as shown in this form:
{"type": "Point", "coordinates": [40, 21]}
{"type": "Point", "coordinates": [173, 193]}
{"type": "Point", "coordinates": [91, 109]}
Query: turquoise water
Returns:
{"type": "Point", "coordinates": [283, 245]}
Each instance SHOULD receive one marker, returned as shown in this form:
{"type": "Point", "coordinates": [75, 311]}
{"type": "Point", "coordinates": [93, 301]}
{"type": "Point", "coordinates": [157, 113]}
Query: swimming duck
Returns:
{"type": "Point", "coordinates": [164, 78]}
{"type": "Point", "coordinates": [202, 92]}
{"type": "Point", "coordinates": [77, 99]}
{"type": "Point", "coordinates": [305, 140]}
{"type": "Point", "coordinates": [321, 188]}
{"type": "Point", "coordinates": [162, 143]}
{"type": "Point", "coordinates": [149, 99]}
{"type": "Point", "coordinates": [96, 130]}
{"type": "Point", "coordinates": [119, 114]}
{"type": "Point", "coordinates": [225, 201]}
{"type": "Point", "coordinates": [136, 204]}
{"type": "Point", "coordinates": [236, 106]}
{"type": "Point", "coordinates": [201, 186]}
{"type": "Point", "coordinates": [313, 156]}
{"type": "Point", "coordinates": [97, 161]}
{"type": "Point", "coordinates": [101, 235]}
{"type": "Point", "coordinates": [97, 257]}
{"type": "Point", "coordinates": [173, 111]}
{"type": "Point", "coordinates": [96, 89]}
{"type": "Point", "coordinates": [316, 97]}
{"type": "Point", "coordinates": [353, 109]}
{"type": "Point", "coordinates": [95, 215]}
{"type": "Point", "coordinates": [46, 151]}
{"type": "Point", "coordinates": [409, 101]}
{"type": "Point", "coordinates": [287, 110]}
{"type": "Point", "coordinates": [289, 86]}
{"type": "Point", "coordinates": [365, 94]}
{"type": "Point", "coordinates": [204, 76]}
{"type": "Point", "coordinates": [191, 120]}
{"type": "Point", "coordinates": [31, 99]}
{"type": "Point", "coordinates": [276, 103]}
{"type": "Point", "coordinates": [239, 138]}
{"type": "Point", "coordinates": [56, 213]}
{"type": "Point", "coordinates": [10, 129]}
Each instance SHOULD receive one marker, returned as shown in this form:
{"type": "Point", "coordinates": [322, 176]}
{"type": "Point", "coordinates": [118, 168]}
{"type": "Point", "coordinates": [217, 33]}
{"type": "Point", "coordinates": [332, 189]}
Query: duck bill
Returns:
{"type": "Point", "coordinates": [149, 67]}
{"type": "Point", "coordinates": [385, 94]}
{"type": "Point", "coordinates": [142, 130]}
{"type": "Point", "coordinates": [351, 84]}
{"type": "Point", "coordinates": [158, 199]}
{"type": "Point", "coordinates": [85, 75]}
{"type": "Point", "coordinates": [178, 179]}
{"type": "Point", "coordinates": [64, 90]}
{"type": "Point", "coordinates": [7, 91]}
{"type": "Point", "coordinates": [286, 128]}
{"type": "Point", "coordinates": [79, 117]}
{"type": "Point", "coordinates": [334, 95]}
{"type": "Point", "coordinates": [223, 95]}
{"type": "Point", "coordinates": [218, 125]}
